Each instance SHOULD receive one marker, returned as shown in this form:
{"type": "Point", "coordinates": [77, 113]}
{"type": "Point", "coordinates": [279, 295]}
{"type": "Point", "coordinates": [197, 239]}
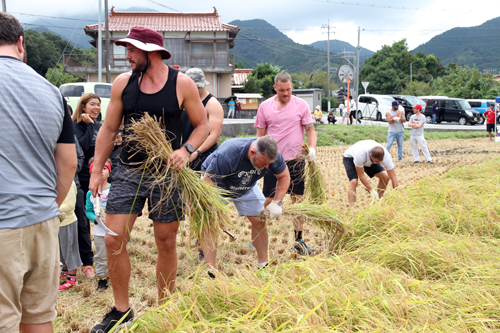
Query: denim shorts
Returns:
{"type": "Point", "coordinates": [130, 189]}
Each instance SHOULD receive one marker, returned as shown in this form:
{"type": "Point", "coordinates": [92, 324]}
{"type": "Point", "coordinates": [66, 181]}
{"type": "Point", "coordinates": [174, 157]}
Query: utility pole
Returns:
{"type": "Point", "coordinates": [99, 43]}
{"type": "Point", "coordinates": [106, 36]}
{"type": "Point", "coordinates": [328, 62]}
{"type": "Point", "coordinates": [357, 66]}
{"type": "Point", "coordinates": [4, 6]}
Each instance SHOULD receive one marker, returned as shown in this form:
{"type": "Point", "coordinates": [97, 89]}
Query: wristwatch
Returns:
{"type": "Point", "coordinates": [278, 202]}
{"type": "Point", "coordinates": [189, 148]}
{"type": "Point", "coordinates": [199, 152]}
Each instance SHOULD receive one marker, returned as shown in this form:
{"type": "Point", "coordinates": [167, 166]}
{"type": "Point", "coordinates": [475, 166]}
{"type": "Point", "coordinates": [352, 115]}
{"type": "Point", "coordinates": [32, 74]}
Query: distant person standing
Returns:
{"type": "Point", "coordinates": [237, 108]}
{"type": "Point", "coordinates": [434, 111]}
{"type": "Point", "coordinates": [232, 107]}
{"type": "Point", "coordinates": [38, 163]}
{"type": "Point", "coordinates": [396, 117]}
{"type": "Point", "coordinates": [343, 112]}
{"type": "Point", "coordinates": [417, 123]}
{"type": "Point", "coordinates": [490, 116]}
{"type": "Point", "coordinates": [352, 110]}
{"type": "Point", "coordinates": [285, 118]}
{"type": "Point", "coordinates": [440, 114]}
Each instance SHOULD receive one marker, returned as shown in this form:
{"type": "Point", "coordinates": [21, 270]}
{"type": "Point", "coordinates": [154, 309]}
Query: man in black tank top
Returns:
{"type": "Point", "coordinates": [160, 90]}
{"type": "Point", "coordinates": [215, 115]}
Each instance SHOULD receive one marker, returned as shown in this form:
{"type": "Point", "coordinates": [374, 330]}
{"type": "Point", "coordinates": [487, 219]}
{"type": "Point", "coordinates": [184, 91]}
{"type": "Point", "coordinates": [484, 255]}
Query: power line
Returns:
{"type": "Point", "coordinates": [385, 7]}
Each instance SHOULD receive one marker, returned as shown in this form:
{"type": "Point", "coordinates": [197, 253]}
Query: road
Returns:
{"type": "Point", "coordinates": [428, 127]}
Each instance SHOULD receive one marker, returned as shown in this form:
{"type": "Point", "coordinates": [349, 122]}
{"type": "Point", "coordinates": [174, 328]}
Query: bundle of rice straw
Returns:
{"type": "Point", "coordinates": [323, 216]}
{"type": "Point", "coordinates": [207, 210]}
{"type": "Point", "coordinates": [314, 191]}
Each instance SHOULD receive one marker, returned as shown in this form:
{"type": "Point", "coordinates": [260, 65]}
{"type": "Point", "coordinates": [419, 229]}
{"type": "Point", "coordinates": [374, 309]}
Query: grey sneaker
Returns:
{"type": "Point", "coordinates": [112, 318]}
{"type": "Point", "coordinates": [430, 162]}
{"type": "Point", "coordinates": [302, 247]}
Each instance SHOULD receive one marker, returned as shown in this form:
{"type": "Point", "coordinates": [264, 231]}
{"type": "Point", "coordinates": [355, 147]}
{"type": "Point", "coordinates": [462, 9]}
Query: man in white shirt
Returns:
{"type": "Point", "coordinates": [368, 157]}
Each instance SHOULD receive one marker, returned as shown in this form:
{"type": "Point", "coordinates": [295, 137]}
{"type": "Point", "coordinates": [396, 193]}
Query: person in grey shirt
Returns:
{"type": "Point", "coordinates": [416, 123]}
{"type": "Point", "coordinates": [38, 159]}
{"type": "Point", "coordinates": [396, 117]}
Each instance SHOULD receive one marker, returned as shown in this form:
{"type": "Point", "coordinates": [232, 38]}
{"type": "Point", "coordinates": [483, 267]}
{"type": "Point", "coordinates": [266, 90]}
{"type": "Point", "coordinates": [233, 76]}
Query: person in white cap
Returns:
{"type": "Point", "coordinates": [161, 91]}
{"type": "Point", "coordinates": [416, 123]}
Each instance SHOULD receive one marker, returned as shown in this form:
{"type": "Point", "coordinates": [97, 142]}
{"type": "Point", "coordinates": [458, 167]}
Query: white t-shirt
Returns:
{"type": "Point", "coordinates": [360, 152]}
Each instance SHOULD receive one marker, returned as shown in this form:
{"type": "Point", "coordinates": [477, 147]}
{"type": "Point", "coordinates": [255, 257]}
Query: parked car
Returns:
{"type": "Point", "coordinates": [73, 91]}
{"type": "Point", "coordinates": [375, 106]}
{"type": "Point", "coordinates": [455, 110]}
{"type": "Point", "coordinates": [408, 102]}
{"type": "Point", "coordinates": [482, 105]}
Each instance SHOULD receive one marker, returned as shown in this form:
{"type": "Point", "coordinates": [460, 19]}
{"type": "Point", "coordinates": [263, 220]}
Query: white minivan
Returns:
{"type": "Point", "coordinates": [73, 91]}
{"type": "Point", "coordinates": [375, 106]}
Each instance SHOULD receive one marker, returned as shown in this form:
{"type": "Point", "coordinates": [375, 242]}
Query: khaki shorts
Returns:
{"type": "Point", "coordinates": [29, 274]}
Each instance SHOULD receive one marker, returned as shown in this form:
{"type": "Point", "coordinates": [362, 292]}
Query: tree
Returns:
{"type": "Point", "coordinates": [42, 53]}
{"type": "Point", "coordinates": [261, 79]}
{"type": "Point", "coordinates": [417, 88]}
{"type": "Point", "coordinates": [239, 64]}
{"type": "Point", "coordinates": [57, 76]}
{"type": "Point", "coordinates": [469, 83]}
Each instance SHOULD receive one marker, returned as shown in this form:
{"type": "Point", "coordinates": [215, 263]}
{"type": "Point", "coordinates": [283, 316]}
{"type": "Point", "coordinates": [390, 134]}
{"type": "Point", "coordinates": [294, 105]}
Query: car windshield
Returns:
{"type": "Point", "coordinates": [71, 91]}
{"type": "Point", "coordinates": [464, 104]}
{"type": "Point", "coordinates": [415, 100]}
{"type": "Point", "coordinates": [103, 91]}
{"type": "Point", "coordinates": [386, 101]}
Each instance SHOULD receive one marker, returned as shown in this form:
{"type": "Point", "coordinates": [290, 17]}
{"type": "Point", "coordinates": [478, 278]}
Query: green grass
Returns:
{"type": "Point", "coordinates": [333, 135]}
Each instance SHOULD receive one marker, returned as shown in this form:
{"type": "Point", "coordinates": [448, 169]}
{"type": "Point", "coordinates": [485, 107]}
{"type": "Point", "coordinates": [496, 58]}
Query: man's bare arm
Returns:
{"type": "Point", "coordinates": [261, 131]}
{"type": "Point", "coordinates": [362, 178]}
{"type": "Point", "coordinates": [394, 179]}
{"type": "Point", "coordinates": [282, 184]}
{"type": "Point", "coordinates": [66, 163]}
{"type": "Point", "coordinates": [311, 135]}
{"type": "Point", "coordinates": [215, 121]}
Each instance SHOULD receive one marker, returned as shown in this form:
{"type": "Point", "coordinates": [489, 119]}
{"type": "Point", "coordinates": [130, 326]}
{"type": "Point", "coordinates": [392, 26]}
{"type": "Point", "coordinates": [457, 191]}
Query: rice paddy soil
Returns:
{"type": "Point", "coordinates": [425, 258]}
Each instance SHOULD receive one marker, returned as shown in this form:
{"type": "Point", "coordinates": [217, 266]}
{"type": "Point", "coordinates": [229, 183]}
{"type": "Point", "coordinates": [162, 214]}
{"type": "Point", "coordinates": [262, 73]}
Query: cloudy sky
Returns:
{"type": "Point", "coordinates": [382, 21]}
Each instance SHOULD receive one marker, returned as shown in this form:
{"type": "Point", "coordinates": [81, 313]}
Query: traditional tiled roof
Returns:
{"type": "Point", "coordinates": [240, 76]}
{"type": "Point", "coordinates": [124, 21]}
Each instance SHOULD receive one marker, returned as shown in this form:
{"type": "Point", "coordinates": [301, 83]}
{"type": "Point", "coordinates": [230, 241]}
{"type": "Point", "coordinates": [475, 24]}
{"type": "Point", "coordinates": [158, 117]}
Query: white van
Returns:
{"type": "Point", "coordinates": [73, 91]}
{"type": "Point", "coordinates": [375, 106]}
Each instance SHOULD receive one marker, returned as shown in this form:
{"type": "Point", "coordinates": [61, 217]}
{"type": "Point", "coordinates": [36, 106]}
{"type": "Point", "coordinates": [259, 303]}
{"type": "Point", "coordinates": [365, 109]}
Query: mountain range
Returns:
{"type": "Point", "coordinates": [467, 46]}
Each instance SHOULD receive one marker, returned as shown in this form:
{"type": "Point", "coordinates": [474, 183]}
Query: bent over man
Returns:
{"type": "Point", "coordinates": [236, 167]}
{"type": "Point", "coordinates": [368, 157]}
{"type": "Point", "coordinates": [162, 91]}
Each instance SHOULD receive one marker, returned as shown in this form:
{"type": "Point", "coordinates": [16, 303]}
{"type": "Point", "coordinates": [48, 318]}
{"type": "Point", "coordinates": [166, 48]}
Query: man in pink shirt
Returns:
{"type": "Point", "coordinates": [285, 118]}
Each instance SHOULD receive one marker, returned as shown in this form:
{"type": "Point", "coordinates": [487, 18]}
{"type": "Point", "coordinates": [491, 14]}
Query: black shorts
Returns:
{"type": "Point", "coordinates": [490, 128]}
{"type": "Point", "coordinates": [296, 168]}
{"type": "Point", "coordinates": [350, 169]}
{"type": "Point", "coordinates": [128, 194]}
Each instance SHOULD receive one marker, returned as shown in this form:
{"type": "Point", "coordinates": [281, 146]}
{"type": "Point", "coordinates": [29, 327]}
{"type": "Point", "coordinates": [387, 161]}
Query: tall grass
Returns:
{"type": "Point", "coordinates": [424, 258]}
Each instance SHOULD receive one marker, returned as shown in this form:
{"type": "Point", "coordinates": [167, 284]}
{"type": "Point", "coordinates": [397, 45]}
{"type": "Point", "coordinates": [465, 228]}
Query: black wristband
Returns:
{"type": "Point", "coordinates": [199, 152]}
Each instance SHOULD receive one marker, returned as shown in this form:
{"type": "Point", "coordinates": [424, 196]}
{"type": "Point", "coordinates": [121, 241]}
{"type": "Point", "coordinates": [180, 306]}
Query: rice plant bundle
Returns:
{"type": "Point", "coordinates": [314, 182]}
{"type": "Point", "coordinates": [207, 209]}
{"type": "Point", "coordinates": [323, 216]}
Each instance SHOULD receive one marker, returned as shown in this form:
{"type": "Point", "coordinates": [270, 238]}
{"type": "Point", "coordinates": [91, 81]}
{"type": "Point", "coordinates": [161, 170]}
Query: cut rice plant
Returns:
{"type": "Point", "coordinates": [314, 191]}
{"type": "Point", "coordinates": [206, 204]}
{"type": "Point", "coordinates": [323, 216]}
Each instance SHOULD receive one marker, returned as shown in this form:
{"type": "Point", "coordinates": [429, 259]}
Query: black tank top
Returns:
{"type": "Point", "coordinates": [188, 128]}
{"type": "Point", "coordinates": [163, 104]}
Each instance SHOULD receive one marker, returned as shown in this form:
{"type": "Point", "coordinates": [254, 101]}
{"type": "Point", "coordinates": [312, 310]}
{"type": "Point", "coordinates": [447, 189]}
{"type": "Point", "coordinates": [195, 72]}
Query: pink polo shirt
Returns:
{"type": "Point", "coordinates": [285, 125]}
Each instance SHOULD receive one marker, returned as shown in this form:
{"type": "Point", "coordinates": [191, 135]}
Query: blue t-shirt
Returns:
{"type": "Point", "coordinates": [231, 104]}
{"type": "Point", "coordinates": [230, 168]}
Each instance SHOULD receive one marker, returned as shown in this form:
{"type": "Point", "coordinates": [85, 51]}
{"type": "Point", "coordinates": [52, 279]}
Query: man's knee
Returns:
{"type": "Point", "coordinates": [383, 176]}
{"type": "Point", "coordinates": [353, 182]}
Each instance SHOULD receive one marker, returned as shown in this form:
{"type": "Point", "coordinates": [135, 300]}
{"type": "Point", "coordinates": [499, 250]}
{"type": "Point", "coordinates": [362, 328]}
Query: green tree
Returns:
{"type": "Point", "coordinates": [466, 82]}
{"type": "Point", "coordinates": [261, 79]}
{"type": "Point", "coordinates": [239, 64]}
{"type": "Point", "coordinates": [42, 53]}
{"type": "Point", "coordinates": [57, 76]}
{"type": "Point", "coordinates": [417, 88]}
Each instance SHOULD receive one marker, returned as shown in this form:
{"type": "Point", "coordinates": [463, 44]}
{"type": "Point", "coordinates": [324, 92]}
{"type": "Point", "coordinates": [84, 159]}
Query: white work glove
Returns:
{"type": "Point", "coordinates": [374, 194]}
{"type": "Point", "coordinates": [396, 119]}
{"type": "Point", "coordinates": [275, 210]}
{"type": "Point", "coordinates": [312, 155]}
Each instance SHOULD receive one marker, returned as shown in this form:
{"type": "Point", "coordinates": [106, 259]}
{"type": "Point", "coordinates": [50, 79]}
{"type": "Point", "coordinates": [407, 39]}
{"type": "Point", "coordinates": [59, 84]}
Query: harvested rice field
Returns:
{"type": "Point", "coordinates": [425, 258]}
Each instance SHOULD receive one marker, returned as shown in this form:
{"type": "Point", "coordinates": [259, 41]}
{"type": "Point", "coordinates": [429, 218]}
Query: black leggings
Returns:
{"type": "Point", "coordinates": [84, 243]}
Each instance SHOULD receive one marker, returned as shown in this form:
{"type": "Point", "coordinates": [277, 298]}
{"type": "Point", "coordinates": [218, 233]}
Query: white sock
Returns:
{"type": "Point", "coordinates": [262, 264]}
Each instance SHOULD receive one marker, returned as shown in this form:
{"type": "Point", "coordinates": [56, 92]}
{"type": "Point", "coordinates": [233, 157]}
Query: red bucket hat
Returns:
{"type": "Point", "coordinates": [145, 39]}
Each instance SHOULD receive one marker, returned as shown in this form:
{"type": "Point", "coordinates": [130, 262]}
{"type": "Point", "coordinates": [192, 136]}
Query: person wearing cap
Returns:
{"type": "Point", "coordinates": [215, 115]}
{"type": "Point", "coordinates": [161, 91]}
{"type": "Point", "coordinates": [490, 116]}
{"type": "Point", "coordinates": [417, 123]}
{"type": "Point", "coordinates": [286, 118]}
{"type": "Point", "coordinates": [370, 157]}
{"type": "Point", "coordinates": [396, 117]}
